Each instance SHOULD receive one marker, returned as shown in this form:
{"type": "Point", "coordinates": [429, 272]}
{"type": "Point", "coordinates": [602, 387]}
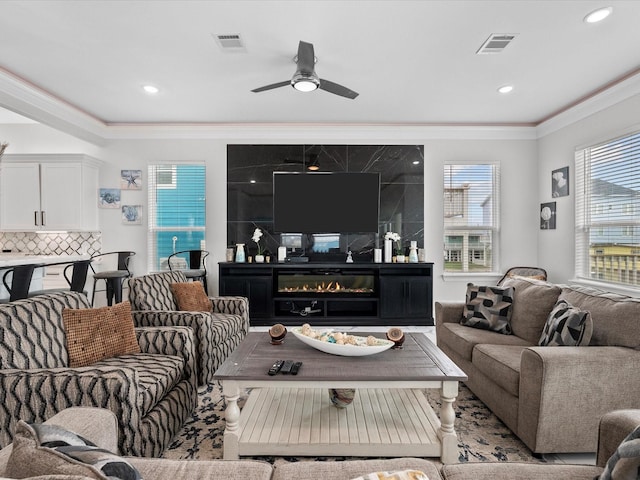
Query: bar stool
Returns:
{"type": "Point", "coordinates": [196, 266]}
{"type": "Point", "coordinates": [113, 278]}
{"type": "Point", "coordinates": [75, 273]}
{"type": "Point", "coordinates": [20, 280]}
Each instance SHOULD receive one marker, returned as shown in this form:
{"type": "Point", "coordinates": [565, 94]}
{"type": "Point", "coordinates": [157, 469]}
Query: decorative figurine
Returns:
{"type": "Point", "coordinates": [349, 257]}
{"type": "Point", "coordinates": [277, 333]}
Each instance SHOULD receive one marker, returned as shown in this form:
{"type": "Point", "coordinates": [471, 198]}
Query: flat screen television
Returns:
{"type": "Point", "coordinates": [322, 202]}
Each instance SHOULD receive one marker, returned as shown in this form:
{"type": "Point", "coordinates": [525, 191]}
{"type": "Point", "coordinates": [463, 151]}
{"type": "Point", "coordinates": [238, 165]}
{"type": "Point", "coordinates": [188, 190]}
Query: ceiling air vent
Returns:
{"type": "Point", "coordinates": [229, 41]}
{"type": "Point", "coordinates": [496, 43]}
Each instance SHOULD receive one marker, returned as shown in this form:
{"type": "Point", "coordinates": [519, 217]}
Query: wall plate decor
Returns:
{"type": "Point", "coordinates": [131, 179]}
{"type": "Point", "coordinates": [560, 182]}
{"type": "Point", "coordinates": [132, 214]}
{"type": "Point", "coordinates": [548, 216]}
{"type": "Point", "coordinates": [109, 198]}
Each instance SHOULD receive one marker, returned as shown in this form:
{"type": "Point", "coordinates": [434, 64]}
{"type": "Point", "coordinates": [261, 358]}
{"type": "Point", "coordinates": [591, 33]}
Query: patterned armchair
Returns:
{"type": "Point", "coordinates": [216, 334]}
{"type": "Point", "coordinates": [152, 393]}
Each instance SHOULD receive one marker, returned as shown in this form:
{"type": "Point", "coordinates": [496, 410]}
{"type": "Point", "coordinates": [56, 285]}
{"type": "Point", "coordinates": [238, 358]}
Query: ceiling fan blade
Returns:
{"type": "Point", "coordinates": [272, 86]}
{"type": "Point", "coordinates": [306, 57]}
{"type": "Point", "coordinates": [337, 89]}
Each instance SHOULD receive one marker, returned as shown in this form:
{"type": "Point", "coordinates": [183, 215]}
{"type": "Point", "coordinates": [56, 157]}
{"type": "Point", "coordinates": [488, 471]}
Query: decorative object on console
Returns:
{"type": "Point", "coordinates": [389, 249]}
{"type": "Point", "coordinates": [488, 308]}
{"type": "Point", "coordinates": [377, 255]}
{"type": "Point", "coordinates": [257, 234]}
{"type": "Point", "coordinates": [229, 255]}
{"type": "Point", "coordinates": [349, 257]}
{"type": "Point", "coordinates": [413, 252]}
{"type": "Point", "coordinates": [240, 258]}
{"type": "Point", "coordinates": [567, 326]}
{"type": "Point", "coordinates": [396, 335]}
{"type": "Point", "coordinates": [277, 333]}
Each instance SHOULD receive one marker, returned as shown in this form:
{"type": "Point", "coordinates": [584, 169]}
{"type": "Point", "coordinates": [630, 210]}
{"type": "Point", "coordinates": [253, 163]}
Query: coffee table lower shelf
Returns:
{"type": "Point", "coordinates": [304, 422]}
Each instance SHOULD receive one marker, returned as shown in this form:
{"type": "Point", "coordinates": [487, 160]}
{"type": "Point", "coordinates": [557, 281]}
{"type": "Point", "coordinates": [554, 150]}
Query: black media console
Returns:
{"type": "Point", "coordinates": [337, 294]}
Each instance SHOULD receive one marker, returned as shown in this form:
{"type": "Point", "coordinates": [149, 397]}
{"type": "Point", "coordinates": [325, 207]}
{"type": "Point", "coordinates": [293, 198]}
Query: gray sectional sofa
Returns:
{"type": "Point", "coordinates": [100, 426]}
{"type": "Point", "coordinates": [553, 396]}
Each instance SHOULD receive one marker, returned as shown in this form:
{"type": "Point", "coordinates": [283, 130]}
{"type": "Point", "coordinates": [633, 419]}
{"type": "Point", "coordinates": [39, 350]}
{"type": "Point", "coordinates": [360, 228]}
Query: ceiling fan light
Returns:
{"type": "Point", "coordinates": [305, 82]}
{"type": "Point", "coordinates": [598, 15]}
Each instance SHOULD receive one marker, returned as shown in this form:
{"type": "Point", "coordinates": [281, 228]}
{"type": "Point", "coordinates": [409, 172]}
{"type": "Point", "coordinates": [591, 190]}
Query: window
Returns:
{"type": "Point", "coordinates": [176, 211]}
{"type": "Point", "coordinates": [471, 217]}
{"type": "Point", "coordinates": [607, 197]}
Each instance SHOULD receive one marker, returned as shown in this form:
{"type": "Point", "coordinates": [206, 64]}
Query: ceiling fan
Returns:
{"type": "Point", "coordinates": [305, 79]}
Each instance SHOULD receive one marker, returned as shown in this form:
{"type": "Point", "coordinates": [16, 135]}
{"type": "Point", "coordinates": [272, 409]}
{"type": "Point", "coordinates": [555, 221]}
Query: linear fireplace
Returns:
{"type": "Point", "coordinates": [333, 282]}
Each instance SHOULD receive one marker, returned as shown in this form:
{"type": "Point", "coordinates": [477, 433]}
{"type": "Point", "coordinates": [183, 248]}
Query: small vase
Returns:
{"type": "Point", "coordinates": [388, 251]}
{"type": "Point", "coordinates": [413, 252]}
{"type": "Point", "coordinates": [240, 258]}
{"type": "Point", "coordinates": [400, 258]}
{"type": "Point", "coordinates": [259, 258]}
{"type": "Point", "coordinates": [342, 397]}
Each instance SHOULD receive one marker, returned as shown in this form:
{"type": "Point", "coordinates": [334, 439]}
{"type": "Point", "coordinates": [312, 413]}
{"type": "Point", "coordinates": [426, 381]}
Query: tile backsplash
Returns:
{"type": "Point", "coordinates": [58, 243]}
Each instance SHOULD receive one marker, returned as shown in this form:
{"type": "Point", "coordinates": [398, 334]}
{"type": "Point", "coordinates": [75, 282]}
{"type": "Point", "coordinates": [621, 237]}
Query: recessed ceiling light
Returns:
{"type": "Point", "coordinates": [598, 15]}
{"type": "Point", "coordinates": [252, 181]}
{"type": "Point", "coordinates": [416, 162]}
{"type": "Point", "coordinates": [150, 89]}
{"type": "Point", "coordinates": [505, 89]}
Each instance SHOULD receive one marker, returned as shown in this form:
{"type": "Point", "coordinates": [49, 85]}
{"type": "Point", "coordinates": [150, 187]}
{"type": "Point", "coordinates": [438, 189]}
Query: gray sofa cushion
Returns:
{"type": "Point", "coordinates": [533, 300]}
{"type": "Point", "coordinates": [463, 339]}
{"type": "Point", "coordinates": [520, 471]}
{"type": "Point", "coordinates": [153, 468]}
{"type": "Point", "coordinates": [615, 317]}
{"type": "Point", "coordinates": [501, 363]}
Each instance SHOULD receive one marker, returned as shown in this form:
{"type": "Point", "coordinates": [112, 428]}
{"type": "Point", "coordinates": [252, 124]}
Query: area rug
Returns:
{"type": "Point", "coordinates": [482, 437]}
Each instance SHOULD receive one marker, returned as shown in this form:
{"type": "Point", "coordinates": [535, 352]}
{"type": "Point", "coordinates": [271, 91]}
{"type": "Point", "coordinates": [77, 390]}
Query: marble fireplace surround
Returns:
{"type": "Point", "coordinates": [250, 190]}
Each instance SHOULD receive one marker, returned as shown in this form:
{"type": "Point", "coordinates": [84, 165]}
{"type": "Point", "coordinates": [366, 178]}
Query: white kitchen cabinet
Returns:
{"type": "Point", "coordinates": [48, 192]}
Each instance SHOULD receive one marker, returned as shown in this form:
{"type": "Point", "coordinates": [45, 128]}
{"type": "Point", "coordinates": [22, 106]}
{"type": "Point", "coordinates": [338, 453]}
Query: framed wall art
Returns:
{"type": "Point", "coordinates": [548, 216]}
{"type": "Point", "coordinates": [109, 198]}
{"type": "Point", "coordinates": [131, 179]}
{"type": "Point", "coordinates": [560, 182]}
{"type": "Point", "coordinates": [132, 214]}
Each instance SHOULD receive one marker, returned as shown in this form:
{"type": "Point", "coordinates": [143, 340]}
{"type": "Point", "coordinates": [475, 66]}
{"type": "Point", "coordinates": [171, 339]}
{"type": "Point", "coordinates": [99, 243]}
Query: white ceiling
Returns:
{"type": "Point", "coordinates": [412, 62]}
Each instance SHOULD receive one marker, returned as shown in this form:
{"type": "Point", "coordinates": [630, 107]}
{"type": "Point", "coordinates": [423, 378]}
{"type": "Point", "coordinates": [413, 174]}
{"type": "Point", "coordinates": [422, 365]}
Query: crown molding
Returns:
{"type": "Point", "coordinates": [616, 93]}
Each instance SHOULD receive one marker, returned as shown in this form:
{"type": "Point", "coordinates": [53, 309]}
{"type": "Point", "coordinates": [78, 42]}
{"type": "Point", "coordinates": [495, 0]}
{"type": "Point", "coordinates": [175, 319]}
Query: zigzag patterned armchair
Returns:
{"type": "Point", "coordinates": [152, 393]}
{"type": "Point", "coordinates": [216, 334]}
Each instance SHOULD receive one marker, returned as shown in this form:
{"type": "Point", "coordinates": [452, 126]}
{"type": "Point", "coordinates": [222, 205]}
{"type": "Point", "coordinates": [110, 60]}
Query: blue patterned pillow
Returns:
{"type": "Point", "coordinates": [488, 308]}
{"type": "Point", "coordinates": [566, 326]}
{"type": "Point", "coordinates": [40, 449]}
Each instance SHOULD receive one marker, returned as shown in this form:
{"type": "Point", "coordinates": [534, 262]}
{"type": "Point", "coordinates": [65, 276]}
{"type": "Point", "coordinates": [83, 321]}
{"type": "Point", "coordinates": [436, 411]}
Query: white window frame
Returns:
{"type": "Point", "coordinates": [463, 229]}
{"type": "Point", "coordinates": [618, 219]}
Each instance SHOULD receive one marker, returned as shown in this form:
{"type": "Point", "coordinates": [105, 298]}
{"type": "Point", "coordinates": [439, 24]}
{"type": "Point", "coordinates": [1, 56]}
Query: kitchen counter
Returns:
{"type": "Point", "coordinates": [16, 258]}
{"type": "Point", "coordinates": [10, 259]}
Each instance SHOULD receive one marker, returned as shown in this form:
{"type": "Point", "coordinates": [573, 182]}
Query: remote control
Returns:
{"type": "Point", "coordinates": [295, 368]}
{"type": "Point", "coordinates": [286, 367]}
{"type": "Point", "coordinates": [275, 368]}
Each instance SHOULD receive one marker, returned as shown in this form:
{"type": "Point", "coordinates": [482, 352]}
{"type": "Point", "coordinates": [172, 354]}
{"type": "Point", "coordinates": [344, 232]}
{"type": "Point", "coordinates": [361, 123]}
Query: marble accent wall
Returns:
{"type": "Point", "coordinates": [250, 189]}
{"type": "Point", "coordinates": [58, 243]}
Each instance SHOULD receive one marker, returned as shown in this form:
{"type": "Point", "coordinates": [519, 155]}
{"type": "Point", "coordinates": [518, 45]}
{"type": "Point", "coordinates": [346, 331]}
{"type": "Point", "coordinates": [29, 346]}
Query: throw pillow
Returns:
{"type": "Point", "coordinates": [567, 326]}
{"type": "Point", "coordinates": [398, 475]}
{"type": "Point", "coordinates": [94, 334]}
{"type": "Point", "coordinates": [40, 449]}
{"type": "Point", "coordinates": [488, 308]}
{"type": "Point", "coordinates": [191, 297]}
{"type": "Point", "coordinates": [624, 464]}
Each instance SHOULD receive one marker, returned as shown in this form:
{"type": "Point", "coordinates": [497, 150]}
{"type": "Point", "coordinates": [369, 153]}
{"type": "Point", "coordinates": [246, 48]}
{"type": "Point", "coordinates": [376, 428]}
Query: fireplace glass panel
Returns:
{"type": "Point", "coordinates": [334, 283]}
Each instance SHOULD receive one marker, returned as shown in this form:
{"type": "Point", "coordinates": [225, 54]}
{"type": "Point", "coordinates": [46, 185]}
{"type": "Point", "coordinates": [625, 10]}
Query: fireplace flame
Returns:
{"type": "Point", "coordinates": [323, 287]}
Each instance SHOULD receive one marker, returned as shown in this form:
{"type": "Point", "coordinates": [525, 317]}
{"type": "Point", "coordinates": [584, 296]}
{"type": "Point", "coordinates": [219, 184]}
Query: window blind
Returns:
{"type": "Point", "coordinates": [471, 217]}
{"type": "Point", "coordinates": [177, 200]}
{"type": "Point", "coordinates": [608, 211]}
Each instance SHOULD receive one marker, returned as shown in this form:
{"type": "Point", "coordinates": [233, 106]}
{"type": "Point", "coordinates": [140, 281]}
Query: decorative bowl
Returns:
{"type": "Point", "coordinates": [359, 350]}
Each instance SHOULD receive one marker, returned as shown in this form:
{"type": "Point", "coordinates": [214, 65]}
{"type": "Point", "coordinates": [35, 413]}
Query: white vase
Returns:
{"type": "Point", "coordinates": [240, 257]}
{"type": "Point", "coordinates": [388, 251]}
{"type": "Point", "coordinates": [413, 252]}
{"type": "Point", "coordinates": [400, 258]}
{"type": "Point", "coordinates": [259, 258]}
